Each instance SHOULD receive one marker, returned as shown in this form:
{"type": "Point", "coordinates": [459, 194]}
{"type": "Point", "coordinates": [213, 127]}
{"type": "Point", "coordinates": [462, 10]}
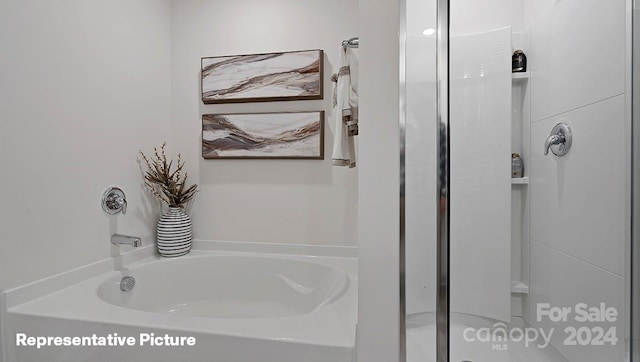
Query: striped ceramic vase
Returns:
{"type": "Point", "coordinates": [175, 233]}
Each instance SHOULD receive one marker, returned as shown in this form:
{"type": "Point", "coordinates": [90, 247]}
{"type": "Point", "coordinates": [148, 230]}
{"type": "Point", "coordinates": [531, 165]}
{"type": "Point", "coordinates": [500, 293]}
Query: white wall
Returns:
{"type": "Point", "coordinates": [297, 201]}
{"type": "Point", "coordinates": [470, 17]}
{"type": "Point", "coordinates": [578, 211]}
{"type": "Point", "coordinates": [85, 84]}
{"type": "Point", "coordinates": [378, 270]}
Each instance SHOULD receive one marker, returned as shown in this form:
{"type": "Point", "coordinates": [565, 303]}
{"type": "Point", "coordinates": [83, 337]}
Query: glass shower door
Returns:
{"type": "Point", "coordinates": [538, 258]}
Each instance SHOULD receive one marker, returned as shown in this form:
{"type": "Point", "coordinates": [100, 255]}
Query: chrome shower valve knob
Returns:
{"type": "Point", "coordinates": [114, 201]}
{"type": "Point", "coordinates": [559, 142]}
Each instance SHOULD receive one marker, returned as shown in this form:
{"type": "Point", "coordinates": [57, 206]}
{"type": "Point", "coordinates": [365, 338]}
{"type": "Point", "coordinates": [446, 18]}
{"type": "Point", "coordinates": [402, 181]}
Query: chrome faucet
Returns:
{"type": "Point", "coordinates": [119, 239]}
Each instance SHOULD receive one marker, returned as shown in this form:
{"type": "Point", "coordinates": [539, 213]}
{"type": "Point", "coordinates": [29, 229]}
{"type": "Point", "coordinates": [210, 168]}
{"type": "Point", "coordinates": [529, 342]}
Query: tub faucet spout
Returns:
{"type": "Point", "coordinates": [119, 239]}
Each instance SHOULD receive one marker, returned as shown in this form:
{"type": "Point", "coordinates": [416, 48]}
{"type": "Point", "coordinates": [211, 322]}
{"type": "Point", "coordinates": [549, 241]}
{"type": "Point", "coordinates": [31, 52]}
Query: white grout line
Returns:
{"type": "Point", "coordinates": [577, 258]}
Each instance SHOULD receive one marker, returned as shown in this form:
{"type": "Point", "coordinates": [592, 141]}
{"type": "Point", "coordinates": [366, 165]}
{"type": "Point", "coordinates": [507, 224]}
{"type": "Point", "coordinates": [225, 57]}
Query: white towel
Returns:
{"type": "Point", "coordinates": [345, 98]}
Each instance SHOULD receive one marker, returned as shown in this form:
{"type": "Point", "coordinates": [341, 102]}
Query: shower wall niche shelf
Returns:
{"type": "Point", "coordinates": [518, 287]}
{"type": "Point", "coordinates": [520, 180]}
{"type": "Point", "coordinates": [520, 76]}
{"type": "Point", "coordinates": [520, 189]}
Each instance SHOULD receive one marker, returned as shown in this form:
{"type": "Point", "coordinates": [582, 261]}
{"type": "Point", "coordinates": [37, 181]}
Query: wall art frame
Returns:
{"type": "Point", "coordinates": [269, 135]}
{"type": "Point", "coordinates": [282, 76]}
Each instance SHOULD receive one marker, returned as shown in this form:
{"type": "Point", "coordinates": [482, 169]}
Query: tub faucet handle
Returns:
{"type": "Point", "coordinates": [114, 201]}
{"type": "Point", "coordinates": [123, 204]}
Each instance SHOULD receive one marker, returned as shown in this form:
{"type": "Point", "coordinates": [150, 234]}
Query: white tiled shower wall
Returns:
{"type": "Point", "coordinates": [578, 202]}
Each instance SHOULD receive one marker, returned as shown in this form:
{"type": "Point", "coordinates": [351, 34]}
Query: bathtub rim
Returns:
{"type": "Point", "coordinates": [51, 284]}
{"type": "Point", "coordinates": [30, 299]}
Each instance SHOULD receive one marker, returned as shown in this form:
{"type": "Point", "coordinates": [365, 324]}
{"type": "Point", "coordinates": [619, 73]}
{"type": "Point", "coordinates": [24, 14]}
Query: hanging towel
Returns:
{"type": "Point", "coordinates": [345, 100]}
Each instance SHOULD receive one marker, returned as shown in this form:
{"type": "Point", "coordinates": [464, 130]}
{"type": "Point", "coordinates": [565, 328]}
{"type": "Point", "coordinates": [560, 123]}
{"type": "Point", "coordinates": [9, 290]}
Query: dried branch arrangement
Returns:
{"type": "Point", "coordinates": [165, 184]}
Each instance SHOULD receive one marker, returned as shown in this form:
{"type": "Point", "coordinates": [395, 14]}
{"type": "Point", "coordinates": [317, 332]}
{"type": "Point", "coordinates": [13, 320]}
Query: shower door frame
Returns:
{"type": "Point", "coordinates": [633, 248]}
{"type": "Point", "coordinates": [443, 178]}
{"type": "Point", "coordinates": [442, 181]}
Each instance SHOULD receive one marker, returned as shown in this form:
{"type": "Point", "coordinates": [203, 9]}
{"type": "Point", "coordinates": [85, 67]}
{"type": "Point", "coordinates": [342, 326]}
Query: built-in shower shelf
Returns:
{"type": "Point", "coordinates": [519, 287]}
{"type": "Point", "coordinates": [519, 180]}
{"type": "Point", "coordinates": [520, 76]}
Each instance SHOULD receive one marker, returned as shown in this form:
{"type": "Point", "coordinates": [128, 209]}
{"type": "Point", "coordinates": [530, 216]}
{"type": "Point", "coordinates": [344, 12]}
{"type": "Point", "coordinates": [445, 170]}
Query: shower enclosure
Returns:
{"type": "Point", "coordinates": [533, 266]}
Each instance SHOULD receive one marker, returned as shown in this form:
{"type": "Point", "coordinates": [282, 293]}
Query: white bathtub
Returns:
{"type": "Point", "coordinates": [229, 286]}
{"type": "Point", "coordinates": [237, 306]}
